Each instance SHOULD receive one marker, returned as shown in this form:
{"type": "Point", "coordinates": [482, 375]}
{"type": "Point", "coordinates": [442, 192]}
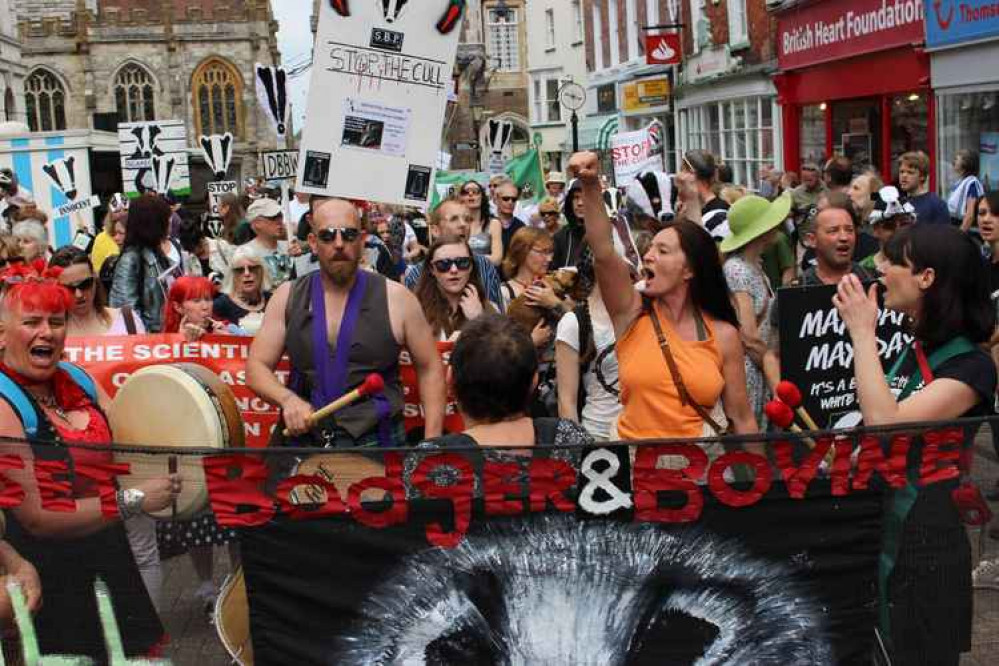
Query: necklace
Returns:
{"type": "Point", "coordinates": [49, 402]}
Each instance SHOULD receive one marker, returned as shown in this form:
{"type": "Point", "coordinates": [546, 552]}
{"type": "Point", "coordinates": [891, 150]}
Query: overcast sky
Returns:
{"type": "Point", "coordinates": [295, 42]}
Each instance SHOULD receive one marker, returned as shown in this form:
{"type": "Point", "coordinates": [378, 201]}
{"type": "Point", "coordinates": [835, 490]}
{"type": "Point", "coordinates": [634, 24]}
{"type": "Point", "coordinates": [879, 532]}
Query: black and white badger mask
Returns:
{"type": "Point", "coordinates": [652, 193]}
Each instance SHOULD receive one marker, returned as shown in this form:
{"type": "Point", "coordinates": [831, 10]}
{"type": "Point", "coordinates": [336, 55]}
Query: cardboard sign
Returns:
{"type": "Point", "coordinates": [663, 49]}
{"type": "Point", "coordinates": [817, 356]}
{"type": "Point", "coordinates": [279, 164]}
{"type": "Point", "coordinates": [216, 191]}
{"type": "Point", "coordinates": [93, 201]}
{"type": "Point", "coordinates": [154, 157]}
{"type": "Point", "coordinates": [634, 152]}
{"type": "Point", "coordinates": [380, 80]}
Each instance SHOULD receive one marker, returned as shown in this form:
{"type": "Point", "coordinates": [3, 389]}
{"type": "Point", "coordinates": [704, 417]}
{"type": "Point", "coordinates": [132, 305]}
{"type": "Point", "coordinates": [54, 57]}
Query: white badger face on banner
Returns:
{"type": "Point", "coordinates": [512, 596]}
{"type": "Point", "coordinates": [63, 175]}
{"type": "Point", "coordinates": [498, 142]}
{"type": "Point", "coordinates": [217, 149]}
{"type": "Point", "coordinates": [272, 96]}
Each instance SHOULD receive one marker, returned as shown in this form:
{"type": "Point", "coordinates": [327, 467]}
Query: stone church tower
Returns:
{"type": "Point", "coordinates": [93, 63]}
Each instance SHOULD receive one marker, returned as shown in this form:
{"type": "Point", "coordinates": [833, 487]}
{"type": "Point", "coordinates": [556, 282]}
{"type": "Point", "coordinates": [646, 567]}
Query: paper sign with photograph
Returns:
{"type": "Point", "coordinates": [378, 92]}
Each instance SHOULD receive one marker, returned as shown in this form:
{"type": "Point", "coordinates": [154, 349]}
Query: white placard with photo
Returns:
{"type": "Point", "coordinates": [380, 80]}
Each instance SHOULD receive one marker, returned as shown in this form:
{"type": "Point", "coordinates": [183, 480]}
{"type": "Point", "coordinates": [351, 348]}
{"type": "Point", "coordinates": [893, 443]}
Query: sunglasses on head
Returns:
{"type": "Point", "coordinates": [444, 265]}
{"type": "Point", "coordinates": [245, 269]}
{"type": "Point", "coordinates": [328, 235]}
{"type": "Point", "coordinates": [82, 285]}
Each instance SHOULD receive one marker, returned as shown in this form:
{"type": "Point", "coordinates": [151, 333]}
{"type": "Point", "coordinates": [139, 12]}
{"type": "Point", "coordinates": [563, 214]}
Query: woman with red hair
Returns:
{"type": "Point", "coordinates": [188, 310]}
{"type": "Point", "coordinates": [47, 401]}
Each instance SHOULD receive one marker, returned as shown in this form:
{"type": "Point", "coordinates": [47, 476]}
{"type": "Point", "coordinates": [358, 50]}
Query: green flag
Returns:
{"type": "Point", "coordinates": [525, 171]}
{"type": "Point", "coordinates": [446, 181]}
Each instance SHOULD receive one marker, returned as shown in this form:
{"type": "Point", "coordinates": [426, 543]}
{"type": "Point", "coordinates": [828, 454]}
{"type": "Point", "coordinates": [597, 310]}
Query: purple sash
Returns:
{"type": "Point", "coordinates": [331, 376]}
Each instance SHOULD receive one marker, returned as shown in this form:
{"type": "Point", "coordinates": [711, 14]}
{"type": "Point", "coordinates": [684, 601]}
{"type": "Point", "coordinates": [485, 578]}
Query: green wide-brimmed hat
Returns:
{"type": "Point", "coordinates": [751, 217]}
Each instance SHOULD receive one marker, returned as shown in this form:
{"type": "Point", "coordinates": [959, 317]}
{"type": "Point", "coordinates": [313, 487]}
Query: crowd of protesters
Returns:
{"type": "Point", "coordinates": [574, 318]}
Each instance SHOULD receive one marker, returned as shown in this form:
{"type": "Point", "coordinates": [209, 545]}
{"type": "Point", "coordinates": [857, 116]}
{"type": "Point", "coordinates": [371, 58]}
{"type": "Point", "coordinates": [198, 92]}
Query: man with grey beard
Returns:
{"type": "Point", "coordinates": [338, 325]}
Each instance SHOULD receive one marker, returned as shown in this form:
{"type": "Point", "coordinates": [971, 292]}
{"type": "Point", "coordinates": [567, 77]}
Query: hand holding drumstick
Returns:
{"type": "Point", "coordinates": [373, 384]}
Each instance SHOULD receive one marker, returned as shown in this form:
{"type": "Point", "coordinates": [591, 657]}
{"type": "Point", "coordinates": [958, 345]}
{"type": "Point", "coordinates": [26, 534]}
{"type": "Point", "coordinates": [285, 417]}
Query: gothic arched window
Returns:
{"type": "Point", "coordinates": [134, 98]}
{"type": "Point", "coordinates": [45, 101]}
{"type": "Point", "coordinates": [217, 90]}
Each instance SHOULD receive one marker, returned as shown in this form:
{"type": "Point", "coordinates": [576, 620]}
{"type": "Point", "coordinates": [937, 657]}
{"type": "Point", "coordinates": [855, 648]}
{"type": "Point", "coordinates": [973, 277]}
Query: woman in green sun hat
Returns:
{"type": "Point", "coordinates": [754, 224]}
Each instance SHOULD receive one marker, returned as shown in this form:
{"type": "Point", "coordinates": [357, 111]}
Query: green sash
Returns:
{"type": "Point", "coordinates": [903, 499]}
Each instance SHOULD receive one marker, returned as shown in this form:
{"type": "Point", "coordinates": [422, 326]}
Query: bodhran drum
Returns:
{"type": "Point", "coordinates": [172, 406]}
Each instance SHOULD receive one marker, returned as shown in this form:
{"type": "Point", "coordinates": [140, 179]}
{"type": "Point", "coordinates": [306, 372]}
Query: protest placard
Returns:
{"type": "Point", "coordinates": [379, 86]}
{"type": "Point", "coordinates": [278, 164]}
{"type": "Point", "coordinates": [634, 152]}
{"type": "Point", "coordinates": [817, 356]}
{"type": "Point", "coordinates": [154, 157]}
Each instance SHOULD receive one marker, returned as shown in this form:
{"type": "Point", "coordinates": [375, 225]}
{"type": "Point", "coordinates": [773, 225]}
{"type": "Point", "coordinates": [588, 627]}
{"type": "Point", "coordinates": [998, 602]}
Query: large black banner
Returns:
{"type": "Point", "coordinates": [817, 356]}
{"type": "Point", "coordinates": [605, 558]}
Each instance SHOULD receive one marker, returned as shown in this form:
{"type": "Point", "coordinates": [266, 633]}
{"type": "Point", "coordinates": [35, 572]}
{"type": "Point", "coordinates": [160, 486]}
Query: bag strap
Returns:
{"type": "Point", "coordinates": [128, 316]}
{"type": "Point", "coordinates": [674, 370]}
{"type": "Point", "coordinates": [16, 398]}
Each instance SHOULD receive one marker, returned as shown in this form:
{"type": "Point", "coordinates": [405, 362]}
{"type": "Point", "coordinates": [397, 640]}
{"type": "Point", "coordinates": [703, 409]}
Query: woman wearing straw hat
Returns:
{"type": "Point", "coordinates": [754, 222]}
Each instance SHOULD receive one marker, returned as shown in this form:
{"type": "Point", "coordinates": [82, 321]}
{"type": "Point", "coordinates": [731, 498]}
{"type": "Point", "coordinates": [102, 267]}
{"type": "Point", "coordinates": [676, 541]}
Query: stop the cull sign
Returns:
{"type": "Point", "coordinates": [817, 356]}
{"type": "Point", "coordinates": [635, 152]}
{"type": "Point", "coordinates": [376, 99]}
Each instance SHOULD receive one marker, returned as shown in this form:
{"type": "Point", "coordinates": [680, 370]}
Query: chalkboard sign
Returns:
{"type": "Point", "coordinates": [817, 356]}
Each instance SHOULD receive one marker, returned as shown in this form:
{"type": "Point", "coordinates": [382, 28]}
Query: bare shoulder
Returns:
{"type": "Point", "coordinates": [726, 334]}
{"type": "Point", "coordinates": [10, 422]}
{"type": "Point", "coordinates": [398, 295]}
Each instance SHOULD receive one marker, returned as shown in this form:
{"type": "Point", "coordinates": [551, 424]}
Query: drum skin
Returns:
{"type": "Point", "coordinates": [232, 619]}
{"type": "Point", "coordinates": [174, 406]}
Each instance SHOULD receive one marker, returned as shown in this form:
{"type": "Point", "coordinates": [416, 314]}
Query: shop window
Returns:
{"type": "Point", "coordinates": [217, 96]}
{"type": "Point", "coordinates": [738, 30]}
{"type": "Point", "coordinates": [813, 134]}
{"type": "Point", "coordinates": [739, 132]}
{"type": "Point", "coordinates": [45, 101]}
{"type": "Point", "coordinates": [908, 127]}
{"type": "Point", "coordinates": [133, 94]}
{"type": "Point", "coordinates": [857, 132]}
{"type": "Point", "coordinates": [577, 21]}
{"type": "Point", "coordinates": [969, 121]}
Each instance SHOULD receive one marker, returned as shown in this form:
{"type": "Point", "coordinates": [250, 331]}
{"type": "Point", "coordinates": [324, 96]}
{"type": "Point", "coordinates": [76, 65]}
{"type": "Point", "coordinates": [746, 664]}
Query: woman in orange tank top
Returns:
{"type": "Point", "coordinates": [686, 294]}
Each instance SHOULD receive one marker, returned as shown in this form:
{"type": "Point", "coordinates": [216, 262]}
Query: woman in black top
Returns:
{"type": "Point", "coordinates": [935, 275]}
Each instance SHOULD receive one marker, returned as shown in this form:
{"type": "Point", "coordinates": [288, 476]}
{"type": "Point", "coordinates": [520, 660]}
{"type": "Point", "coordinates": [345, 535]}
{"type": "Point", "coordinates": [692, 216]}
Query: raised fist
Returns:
{"type": "Point", "coordinates": [586, 167]}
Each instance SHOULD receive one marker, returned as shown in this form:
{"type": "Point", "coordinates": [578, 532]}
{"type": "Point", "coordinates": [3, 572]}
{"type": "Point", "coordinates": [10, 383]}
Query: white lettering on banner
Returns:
{"type": "Point", "coordinates": [279, 165]}
{"type": "Point", "coordinates": [852, 25]}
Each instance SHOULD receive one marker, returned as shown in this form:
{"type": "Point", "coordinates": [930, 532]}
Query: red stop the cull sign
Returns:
{"type": "Point", "coordinates": [663, 49]}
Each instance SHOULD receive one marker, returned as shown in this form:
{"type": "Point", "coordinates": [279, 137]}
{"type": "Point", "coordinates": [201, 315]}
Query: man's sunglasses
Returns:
{"type": "Point", "coordinates": [508, 198]}
{"type": "Point", "coordinates": [328, 235]}
{"type": "Point", "coordinates": [444, 265]}
{"type": "Point", "coordinates": [82, 285]}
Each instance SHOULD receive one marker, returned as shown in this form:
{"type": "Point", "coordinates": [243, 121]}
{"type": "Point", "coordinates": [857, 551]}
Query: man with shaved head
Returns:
{"type": "Point", "coordinates": [338, 325]}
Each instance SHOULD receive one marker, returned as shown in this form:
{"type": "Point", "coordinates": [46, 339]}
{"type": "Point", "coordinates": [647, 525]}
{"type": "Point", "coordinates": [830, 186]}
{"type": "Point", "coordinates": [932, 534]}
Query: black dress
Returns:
{"type": "Point", "coordinates": [930, 595]}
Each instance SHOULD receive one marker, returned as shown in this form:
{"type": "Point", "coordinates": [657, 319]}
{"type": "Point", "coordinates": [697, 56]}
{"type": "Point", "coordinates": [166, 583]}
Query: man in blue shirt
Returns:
{"type": "Point", "coordinates": [451, 219]}
{"type": "Point", "coordinates": [913, 179]}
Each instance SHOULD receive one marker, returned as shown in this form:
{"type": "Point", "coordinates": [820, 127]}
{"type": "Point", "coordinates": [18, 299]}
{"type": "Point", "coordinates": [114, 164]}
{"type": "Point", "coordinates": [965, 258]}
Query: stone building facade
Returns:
{"type": "Point", "coordinates": [12, 70]}
{"type": "Point", "coordinates": [94, 63]}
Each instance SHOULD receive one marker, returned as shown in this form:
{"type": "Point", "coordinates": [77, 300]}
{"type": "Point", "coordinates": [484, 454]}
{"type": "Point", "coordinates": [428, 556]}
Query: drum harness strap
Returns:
{"type": "Point", "coordinates": [331, 376]}
{"type": "Point", "coordinates": [25, 407]}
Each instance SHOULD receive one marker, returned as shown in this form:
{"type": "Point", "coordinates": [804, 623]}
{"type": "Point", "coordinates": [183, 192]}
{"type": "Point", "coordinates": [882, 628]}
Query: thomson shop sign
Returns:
{"type": "Point", "coordinates": [951, 22]}
{"type": "Point", "coordinates": [837, 29]}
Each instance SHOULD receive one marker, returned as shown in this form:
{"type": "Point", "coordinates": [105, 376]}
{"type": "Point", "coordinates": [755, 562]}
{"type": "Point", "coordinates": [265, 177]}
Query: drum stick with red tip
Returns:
{"type": "Point", "coordinates": [373, 384]}
{"type": "Point", "coordinates": [780, 415]}
{"type": "Point", "coordinates": [790, 395]}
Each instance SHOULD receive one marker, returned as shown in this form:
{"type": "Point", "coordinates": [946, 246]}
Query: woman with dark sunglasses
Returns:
{"type": "Point", "coordinates": [485, 234]}
{"type": "Point", "coordinates": [246, 289]}
{"type": "Point", "coordinates": [90, 314]}
{"type": "Point", "coordinates": [449, 288]}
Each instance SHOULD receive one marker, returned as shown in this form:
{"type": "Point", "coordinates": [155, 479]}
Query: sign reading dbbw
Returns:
{"type": "Point", "coordinates": [279, 164]}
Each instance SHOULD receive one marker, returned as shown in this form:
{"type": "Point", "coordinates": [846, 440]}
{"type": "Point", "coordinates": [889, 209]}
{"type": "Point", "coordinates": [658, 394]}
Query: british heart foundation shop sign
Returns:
{"type": "Point", "coordinates": [837, 29]}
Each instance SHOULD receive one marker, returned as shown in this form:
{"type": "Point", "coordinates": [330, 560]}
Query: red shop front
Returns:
{"type": "Point", "coordinates": [854, 81]}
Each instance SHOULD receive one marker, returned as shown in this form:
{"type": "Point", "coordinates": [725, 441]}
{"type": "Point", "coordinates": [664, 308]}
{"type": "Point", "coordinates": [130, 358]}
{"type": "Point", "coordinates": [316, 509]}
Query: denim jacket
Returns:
{"type": "Point", "coordinates": [137, 284]}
